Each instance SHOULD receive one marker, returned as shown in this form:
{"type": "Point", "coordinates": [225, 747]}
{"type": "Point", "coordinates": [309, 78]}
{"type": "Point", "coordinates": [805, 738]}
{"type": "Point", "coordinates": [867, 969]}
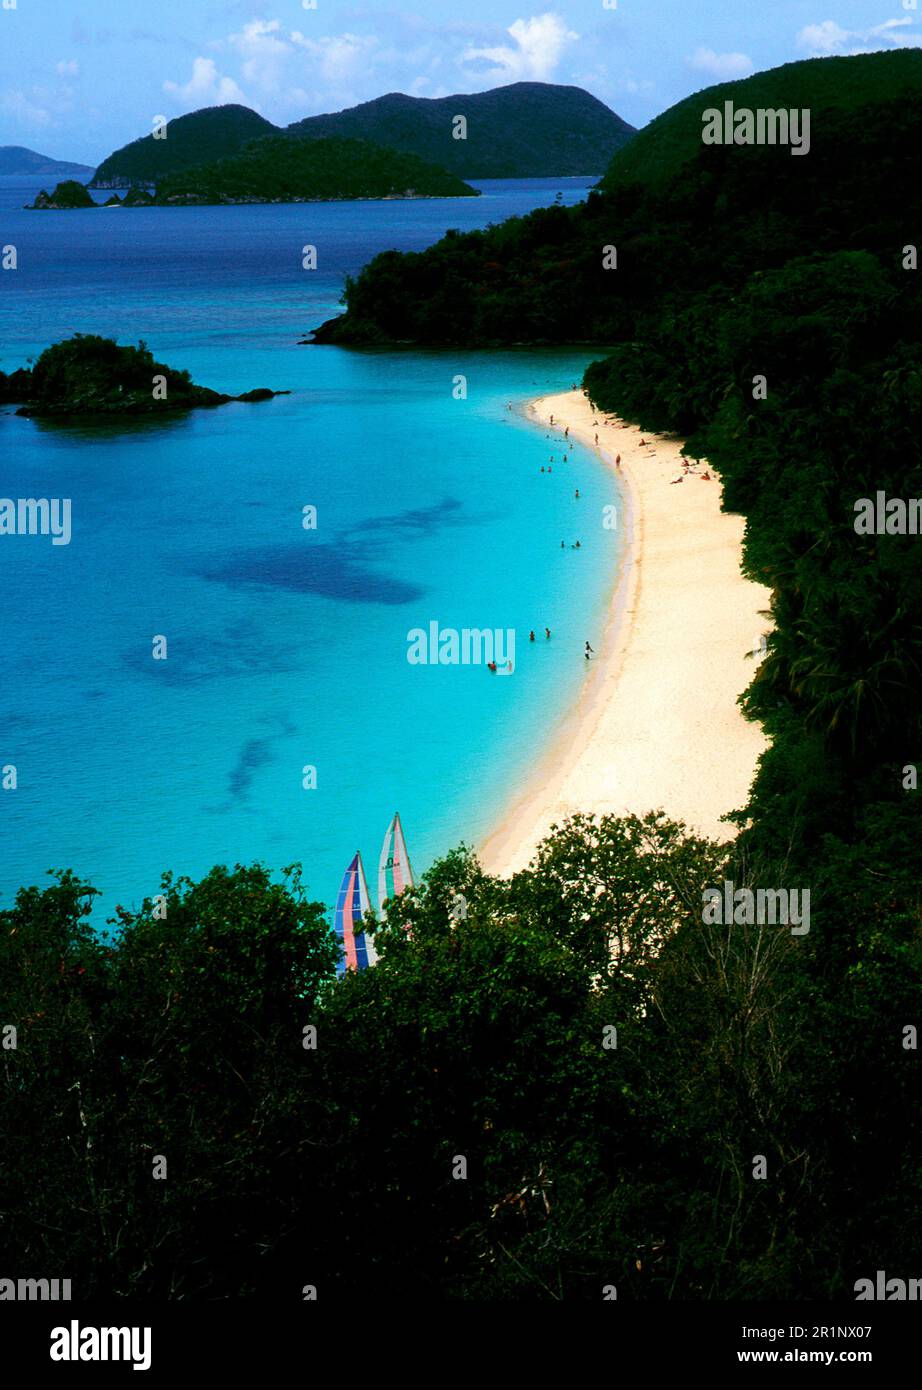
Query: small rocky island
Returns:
{"type": "Point", "coordinates": [71, 194]}
{"type": "Point", "coordinates": [90, 375]}
{"type": "Point", "coordinates": [67, 195]}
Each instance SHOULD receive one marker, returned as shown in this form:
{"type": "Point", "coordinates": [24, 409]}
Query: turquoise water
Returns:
{"type": "Point", "coordinates": [286, 647]}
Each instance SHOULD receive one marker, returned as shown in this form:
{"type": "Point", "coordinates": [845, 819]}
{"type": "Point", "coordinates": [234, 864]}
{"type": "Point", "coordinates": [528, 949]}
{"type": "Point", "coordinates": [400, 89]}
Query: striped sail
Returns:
{"type": "Point", "coordinates": [351, 905]}
{"type": "Point", "coordinates": [394, 871]}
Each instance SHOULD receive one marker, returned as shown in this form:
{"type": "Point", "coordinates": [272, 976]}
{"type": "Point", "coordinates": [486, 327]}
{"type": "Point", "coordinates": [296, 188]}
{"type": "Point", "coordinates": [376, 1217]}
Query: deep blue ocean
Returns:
{"type": "Point", "coordinates": [287, 648]}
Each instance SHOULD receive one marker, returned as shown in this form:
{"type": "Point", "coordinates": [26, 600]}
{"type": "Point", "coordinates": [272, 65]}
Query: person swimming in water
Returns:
{"type": "Point", "coordinates": [531, 635]}
{"type": "Point", "coordinates": [577, 492]}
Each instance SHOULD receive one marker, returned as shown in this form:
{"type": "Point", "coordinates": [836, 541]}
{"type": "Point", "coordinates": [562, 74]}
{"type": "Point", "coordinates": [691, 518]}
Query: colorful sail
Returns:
{"type": "Point", "coordinates": [394, 872]}
{"type": "Point", "coordinates": [351, 905]}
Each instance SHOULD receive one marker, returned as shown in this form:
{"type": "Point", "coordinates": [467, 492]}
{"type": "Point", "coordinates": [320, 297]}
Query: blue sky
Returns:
{"type": "Point", "coordinates": [78, 78]}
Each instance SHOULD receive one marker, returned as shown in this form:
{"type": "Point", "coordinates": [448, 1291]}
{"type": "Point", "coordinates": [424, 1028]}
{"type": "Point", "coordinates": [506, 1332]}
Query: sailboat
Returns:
{"type": "Point", "coordinates": [394, 871]}
{"type": "Point", "coordinates": [348, 919]}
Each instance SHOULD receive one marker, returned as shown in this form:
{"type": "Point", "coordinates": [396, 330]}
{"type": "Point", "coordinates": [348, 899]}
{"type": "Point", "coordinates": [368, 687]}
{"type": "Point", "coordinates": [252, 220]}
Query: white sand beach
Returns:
{"type": "Point", "coordinates": [657, 725]}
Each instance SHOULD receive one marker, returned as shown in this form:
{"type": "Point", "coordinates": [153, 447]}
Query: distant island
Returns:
{"type": "Point", "coordinates": [69, 194]}
{"type": "Point", "coordinates": [278, 169]}
{"type": "Point", "coordinates": [91, 375]}
{"type": "Point", "coordinates": [16, 159]}
{"type": "Point", "coordinates": [524, 130]}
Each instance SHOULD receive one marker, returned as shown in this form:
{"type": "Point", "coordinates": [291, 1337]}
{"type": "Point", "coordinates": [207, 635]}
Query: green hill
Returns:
{"type": "Point", "coordinates": [830, 87]}
{"type": "Point", "coordinates": [199, 138]}
{"type": "Point", "coordinates": [525, 130]}
{"type": "Point", "coordinates": [280, 169]}
{"type": "Point", "coordinates": [680, 215]}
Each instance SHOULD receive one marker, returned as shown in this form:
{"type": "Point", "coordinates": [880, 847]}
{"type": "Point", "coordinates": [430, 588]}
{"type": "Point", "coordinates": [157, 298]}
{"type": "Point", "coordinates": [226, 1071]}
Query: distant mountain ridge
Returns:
{"type": "Point", "coordinates": [16, 159]}
{"type": "Point", "coordinates": [525, 130]}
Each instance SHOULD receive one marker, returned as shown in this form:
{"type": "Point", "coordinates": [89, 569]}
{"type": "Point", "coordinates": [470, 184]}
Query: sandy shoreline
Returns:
{"type": "Point", "coordinates": [656, 725]}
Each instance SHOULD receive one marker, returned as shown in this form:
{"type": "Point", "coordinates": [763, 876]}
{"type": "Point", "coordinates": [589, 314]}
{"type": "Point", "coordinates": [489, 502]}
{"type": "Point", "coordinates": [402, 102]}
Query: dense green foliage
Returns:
{"type": "Point", "coordinates": [198, 138]}
{"type": "Point", "coordinates": [522, 130]}
{"type": "Point", "coordinates": [712, 217]}
{"type": "Point", "coordinates": [90, 375]}
{"type": "Point", "coordinates": [277, 168]}
{"type": "Point", "coordinates": [592, 1157]}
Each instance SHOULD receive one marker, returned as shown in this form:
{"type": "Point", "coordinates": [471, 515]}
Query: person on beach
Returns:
{"type": "Point", "coordinates": [618, 461]}
{"type": "Point", "coordinates": [597, 439]}
{"type": "Point", "coordinates": [552, 419]}
{"type": "Point", "coordinates": [589, 651]}
{"type": "Point", "coordinates": [566, 433]}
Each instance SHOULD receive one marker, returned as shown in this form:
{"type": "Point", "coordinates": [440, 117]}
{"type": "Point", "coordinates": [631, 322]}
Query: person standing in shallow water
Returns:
{"type": "Point", "coordinates": [589, 651]}
{"type": "Point", "coordinates": [547, 632]}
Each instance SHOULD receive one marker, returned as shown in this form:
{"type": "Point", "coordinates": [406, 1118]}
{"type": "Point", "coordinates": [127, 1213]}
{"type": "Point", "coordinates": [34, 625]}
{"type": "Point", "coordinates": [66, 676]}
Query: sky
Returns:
{"type": "Point", "coordinates": [79, 78]}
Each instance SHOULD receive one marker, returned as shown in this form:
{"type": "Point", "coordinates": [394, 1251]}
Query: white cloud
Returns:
{"type": "Point", "coordinates": [68, 68]}
{"type": "Point", "coordinates": [25, 110]}
{"type": "Point", "coordinates": [206, 87]}
{"type": "Point", "coordinates": [822, 40]}
{"type": "Point", "coordinates": [342, 58]}
{"type": "Point", "coordinates": [723, 66]}
{"type": "Point", "coordinates": [539, 45]}
{"type": "Point", "coordinates": [263, 52]}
